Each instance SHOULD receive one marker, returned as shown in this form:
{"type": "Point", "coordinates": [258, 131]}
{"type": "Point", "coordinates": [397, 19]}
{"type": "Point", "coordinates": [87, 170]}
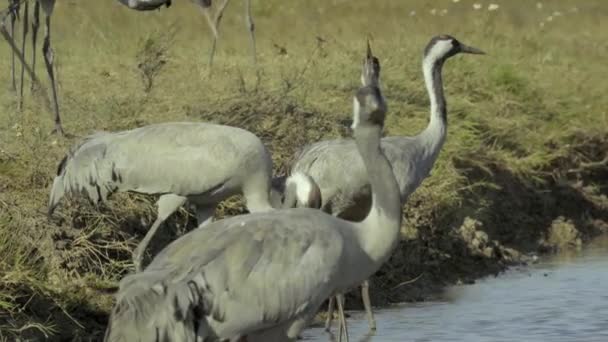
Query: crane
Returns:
{"type": "Point", "coordinates": [340, 173]}
{"type": "Point", "coordinates": [48, 6]}
{"type": "Point", "coordinates": [201, 163]}
{"type": "Point", "coordinates": [263, 276]}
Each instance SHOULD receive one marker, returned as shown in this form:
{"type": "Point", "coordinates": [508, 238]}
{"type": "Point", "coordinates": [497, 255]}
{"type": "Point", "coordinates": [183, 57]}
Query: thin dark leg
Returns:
{"type": "Point", "coordinates": [47, 50]}
{"type": "Point", "coordinates": [214, 25]}
{"type": "Point", "coordinates": [251, 28]}
{"type": "Point", "coordinates": [25, 28]}
{"type": "Point", "coordinates": [13, 14]}
{"type": "Point", "coordinates": [18, 53]}
{"type": "Point", "coordinates": [35, 26]}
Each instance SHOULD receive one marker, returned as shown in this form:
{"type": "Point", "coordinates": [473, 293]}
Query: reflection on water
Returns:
{"type": "Point", "coordinates": [564, 298]}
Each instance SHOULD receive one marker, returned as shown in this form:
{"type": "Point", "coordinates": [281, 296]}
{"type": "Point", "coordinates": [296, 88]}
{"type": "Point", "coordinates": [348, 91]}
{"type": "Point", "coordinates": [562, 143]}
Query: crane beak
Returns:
{"type": "Point", "coordinates": [369, 50]}
{"type": "Point", "coordinates": [470, 49]}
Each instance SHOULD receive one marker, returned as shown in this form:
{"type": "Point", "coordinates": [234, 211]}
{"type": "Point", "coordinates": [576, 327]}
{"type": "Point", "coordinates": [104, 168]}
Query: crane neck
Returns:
{"type": "Point", "coordinates": [379, 231]}
{"type": "Point", "coordinates": [437, 127]}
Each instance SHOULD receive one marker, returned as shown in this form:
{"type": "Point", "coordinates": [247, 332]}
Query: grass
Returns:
{"type": "Point", "coordinates": [527, 135]}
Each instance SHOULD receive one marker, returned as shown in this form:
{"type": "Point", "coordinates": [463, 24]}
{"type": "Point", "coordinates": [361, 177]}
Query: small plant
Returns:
{"type": "Point", "coordinates": [154, 54]}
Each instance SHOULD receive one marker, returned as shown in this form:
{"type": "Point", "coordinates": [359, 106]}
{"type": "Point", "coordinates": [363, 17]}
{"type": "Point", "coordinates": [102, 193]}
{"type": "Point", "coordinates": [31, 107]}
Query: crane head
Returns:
{"type": "Point", "coordinates": [369, 107]}
{"type": "Point", "coordinates": [444, 46]}
{"type": "Point", "coordinates": [370, 74]}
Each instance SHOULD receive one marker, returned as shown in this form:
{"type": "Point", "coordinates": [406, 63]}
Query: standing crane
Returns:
{"type": "Point", "coordinates": [263, 276]}
{"type": "Point", "coordinates": [47, 51]}
{"type": "Point", "coordinates": [184, 161]}
{"type": "Point", "coordinates": [213, 20]}
{"type": "Point", "coordinates": [340, 173]}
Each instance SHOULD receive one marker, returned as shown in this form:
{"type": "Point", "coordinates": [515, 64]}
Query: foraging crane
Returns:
{"type": "Point", "coordinates": [340, 172]}
{"type": "Point", "coordinates": [263, 276]}
{"type": "Point", "coordinates": [184, 161]}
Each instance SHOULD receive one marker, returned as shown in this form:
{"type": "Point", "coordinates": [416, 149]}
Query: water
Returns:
{"type": "Point", "coordinates": [564, 298]}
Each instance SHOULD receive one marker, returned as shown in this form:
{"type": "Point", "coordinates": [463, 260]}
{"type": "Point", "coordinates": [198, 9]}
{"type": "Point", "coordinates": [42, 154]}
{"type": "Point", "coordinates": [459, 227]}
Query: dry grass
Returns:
{"type": "Point", "coordinates": [524, 120]}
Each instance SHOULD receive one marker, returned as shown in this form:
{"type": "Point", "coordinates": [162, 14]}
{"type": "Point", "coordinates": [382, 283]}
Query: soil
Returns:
{"type": "Point", "coordinates": [519, 220]}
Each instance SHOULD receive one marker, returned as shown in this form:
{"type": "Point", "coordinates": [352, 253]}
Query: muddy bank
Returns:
{"type": "Point", "coordinates": [499, 226]}
{"type": "Point", "coordinates": [492, 228]}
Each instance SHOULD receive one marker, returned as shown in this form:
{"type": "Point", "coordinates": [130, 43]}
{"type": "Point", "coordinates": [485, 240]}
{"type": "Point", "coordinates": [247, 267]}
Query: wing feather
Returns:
{"type": "Point", "coordinates": [272, 269]}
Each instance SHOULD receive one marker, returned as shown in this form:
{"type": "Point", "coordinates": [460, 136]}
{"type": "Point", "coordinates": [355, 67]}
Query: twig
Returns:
{"type": "Point", "coordinates": [590, 165]}
{"type": "Point", "coordinates": [407, 282]}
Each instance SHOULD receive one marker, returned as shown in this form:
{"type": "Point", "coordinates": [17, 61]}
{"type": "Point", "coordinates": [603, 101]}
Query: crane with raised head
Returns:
{"type": "Point", "coordinates": [339, 171]}
{"type": "Point", "coordinates": [263, 276]}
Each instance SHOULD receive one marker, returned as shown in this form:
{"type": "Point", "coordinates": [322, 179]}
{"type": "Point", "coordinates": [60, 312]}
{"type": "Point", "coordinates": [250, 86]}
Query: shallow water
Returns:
{"type": "Point", "coordinates": [562, 298]}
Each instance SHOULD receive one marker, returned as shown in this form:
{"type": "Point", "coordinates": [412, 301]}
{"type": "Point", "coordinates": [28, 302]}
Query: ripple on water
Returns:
{"type": "Point", "coordinates": [564, 298]}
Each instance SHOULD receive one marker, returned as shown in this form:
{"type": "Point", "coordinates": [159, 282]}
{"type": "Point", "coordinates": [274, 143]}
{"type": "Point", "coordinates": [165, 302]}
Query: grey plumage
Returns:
{"type": "Point", "coordinates": [199, 162]}
{"type": "Point", "coordinates": [262, 276]}
{"type": "Point", "coordinates": [228, 270]}
{"type": "Point", "coordinates": [338, 169]}
{"type": "Point", "coordinates": [145, 5]}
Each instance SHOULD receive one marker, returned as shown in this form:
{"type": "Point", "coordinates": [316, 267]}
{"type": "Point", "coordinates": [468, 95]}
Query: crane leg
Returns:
{"type": "Point", "coordinates": [47, 50]}
{"type": "Point", "coordinates": [330, 313]}
{"type": "Point", "coordinates": [251, 29]}
{"type": "Point", "coordinates": [368, 305]}
{"type": "Point", "coordinates": [15, 49]}
{"type": "Point", "coordinates": [167, 205]}
{"type": "Point", "coordinates": [25, 28]}
{"type": "Point", "coordinates": [343, 327]}
{"type": "Point", "coordinates": [214, 25]}
{"type": "Point", "coordinates": [204, 215]}
{"type": "Point", "coordinates": [35, 26]}
{"type": "Point", "coordinates": [13, 16]}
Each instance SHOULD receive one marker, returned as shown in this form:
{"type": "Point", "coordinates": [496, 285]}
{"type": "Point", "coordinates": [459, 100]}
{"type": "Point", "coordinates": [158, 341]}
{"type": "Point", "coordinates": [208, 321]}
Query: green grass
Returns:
{"type": "Point", "coordinates": [527, 128]}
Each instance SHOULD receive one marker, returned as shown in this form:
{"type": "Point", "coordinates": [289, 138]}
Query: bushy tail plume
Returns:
{"type": "Point", "coordinates": [147, 309]}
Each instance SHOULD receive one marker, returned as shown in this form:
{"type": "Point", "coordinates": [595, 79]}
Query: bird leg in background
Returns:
{"type": "Point", "coordinates": [251, 29]}
{"type": "Point", "coordinates": [343, 328]}
{"type": "Point", "coordinates": [25, 28]}
{"type": "Point", "coordinates": [42, 91]}
{"type": "Point", "coordinates": [35, 26]}
{"type": "Point", "coordinates": [14, 13]}
{"type": "Point", "coordinates": [368, 305]}
{"type": "Point", "coordinates": [47, 50]}
{"type": "Point", "coordinates": [167, 205]}
{"type": "Point", "coordinates": [213, 23]}
{"type": "Point", "coordinates": [19, 55]}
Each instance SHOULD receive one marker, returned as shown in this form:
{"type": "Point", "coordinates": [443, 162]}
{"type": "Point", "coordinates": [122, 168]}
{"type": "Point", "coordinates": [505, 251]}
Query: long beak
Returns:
{"type": "Point", "coordinates": [369, 50]}
{"type": "Point", "coordinates": [470, 49]}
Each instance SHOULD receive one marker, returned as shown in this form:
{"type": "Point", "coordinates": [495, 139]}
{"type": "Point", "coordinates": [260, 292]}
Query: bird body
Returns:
{"type": "Point", "coordinates": [145, 5]}
{"type": "Point", "coordinates": [181, 161]}
{"type": "Point", "coordinates": [339, 172]}
{"type": "Point", "coordinates": [204, 162]}
{"type": "Point", "coordinates": [348, 192]}
{"type": "Point", "coordinates": [262, 276]}
{"type": "Point", "coordinates": [251, 275]}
